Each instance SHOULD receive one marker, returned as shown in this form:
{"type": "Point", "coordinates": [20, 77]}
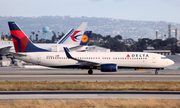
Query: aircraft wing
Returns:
{"type": "Point", "coordinates": [82, 62]}
{"type": "Point", "coordinates": [3, 51]}
{"type": "Point", "coordinates": [75, 47]}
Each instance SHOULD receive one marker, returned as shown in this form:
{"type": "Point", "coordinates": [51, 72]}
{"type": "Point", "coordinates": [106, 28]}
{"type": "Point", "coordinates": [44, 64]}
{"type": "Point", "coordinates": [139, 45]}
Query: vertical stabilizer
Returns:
{"type": "Point", "coordinates": [76, 36]}
{"type": "Point", "coordinates": [85, 38]}
{"type": "Point", "coordinates": [21, 41]}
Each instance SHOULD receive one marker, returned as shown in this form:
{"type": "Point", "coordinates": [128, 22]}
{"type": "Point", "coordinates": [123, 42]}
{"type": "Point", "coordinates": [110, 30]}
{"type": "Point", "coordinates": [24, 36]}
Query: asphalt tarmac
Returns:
{"type": "Point", "coordinates": [19, 74]}
{"type": "Point", "coordinates": [89, 77]}
{"type": "Point", "coordinates": [86, 94]}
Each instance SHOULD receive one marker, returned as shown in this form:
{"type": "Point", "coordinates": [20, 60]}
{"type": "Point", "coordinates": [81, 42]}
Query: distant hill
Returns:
{"type": "Point", "coordinates": [104, 26]}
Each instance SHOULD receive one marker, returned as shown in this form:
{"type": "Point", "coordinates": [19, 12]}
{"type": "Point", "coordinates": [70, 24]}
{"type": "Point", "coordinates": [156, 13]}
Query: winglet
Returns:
{"type": "Point", "coordinates": [66, 50]}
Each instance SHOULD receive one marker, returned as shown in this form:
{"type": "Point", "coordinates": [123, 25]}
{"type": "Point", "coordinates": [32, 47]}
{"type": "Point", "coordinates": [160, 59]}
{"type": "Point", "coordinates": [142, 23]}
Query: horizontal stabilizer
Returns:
{"type": "Point", "coordinates": [5, 49]}
{"type": "Point", "coordinates": [17, 54]}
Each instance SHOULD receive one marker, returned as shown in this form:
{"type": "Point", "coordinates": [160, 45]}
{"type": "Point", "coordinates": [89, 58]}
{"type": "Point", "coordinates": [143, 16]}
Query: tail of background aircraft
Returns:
{"type": "Point", "coordinates": [65, 37]}
{"type": "Point", "coordinates": [85, 38]}
{"type": "Point", "coordinates": [74, 38]}
{"type": "Point", "coordinates": [21, 41]}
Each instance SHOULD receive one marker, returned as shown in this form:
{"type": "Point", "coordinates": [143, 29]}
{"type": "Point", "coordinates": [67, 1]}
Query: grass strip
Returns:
{"type": "Point", "coordinates": [93, 103]}
{"type": "Point", "coordinates": [87, 85]}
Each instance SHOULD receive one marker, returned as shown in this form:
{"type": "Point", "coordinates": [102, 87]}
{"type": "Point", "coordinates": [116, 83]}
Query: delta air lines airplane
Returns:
{"type": "Point", "coordinates": [104, 61]}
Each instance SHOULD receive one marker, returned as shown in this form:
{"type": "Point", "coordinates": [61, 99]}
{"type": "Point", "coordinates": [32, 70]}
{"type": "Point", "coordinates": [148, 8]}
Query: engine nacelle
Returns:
{"type": "Point", "coordinates": [108, 67]}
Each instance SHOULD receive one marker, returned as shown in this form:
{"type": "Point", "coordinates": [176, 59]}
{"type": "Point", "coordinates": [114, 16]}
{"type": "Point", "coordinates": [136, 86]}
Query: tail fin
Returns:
{"type": "Point", "coordinates": [21, 41]}
{"type": "Point", "coordinates": [65, 37]}
{"type": "Point", "coordinates": [75, 38]}
{"type": "Point", "coordinates": [85, 38]}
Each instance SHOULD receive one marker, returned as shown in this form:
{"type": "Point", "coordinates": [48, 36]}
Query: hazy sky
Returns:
{"type": "Point", "coordinates": [147, 10]}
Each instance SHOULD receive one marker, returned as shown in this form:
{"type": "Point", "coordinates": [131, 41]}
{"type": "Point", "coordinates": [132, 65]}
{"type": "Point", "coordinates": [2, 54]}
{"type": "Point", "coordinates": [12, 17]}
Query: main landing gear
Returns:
{"type": "Point", "coordinates": [156, 72]}
{"type": "Point", "coordinates": [90, 71]}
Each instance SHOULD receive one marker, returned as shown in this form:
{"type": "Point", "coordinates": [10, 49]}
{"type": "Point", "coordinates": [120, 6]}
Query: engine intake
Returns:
{"type": "Point", "coordinates": [108, 67]}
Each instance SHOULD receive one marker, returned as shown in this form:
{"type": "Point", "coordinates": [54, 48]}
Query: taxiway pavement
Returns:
{"type": "Point", "coordinates": [18, 74]}
{"type": "Point", "coordinates": [86, 94]}
{"type": "Point", "coordinates": [89, 77]}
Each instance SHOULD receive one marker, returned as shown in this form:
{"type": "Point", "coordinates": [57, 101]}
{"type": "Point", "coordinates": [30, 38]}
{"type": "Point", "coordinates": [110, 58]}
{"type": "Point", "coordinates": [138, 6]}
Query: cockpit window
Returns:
{"type": "Point", "coordinates": [163, 57]}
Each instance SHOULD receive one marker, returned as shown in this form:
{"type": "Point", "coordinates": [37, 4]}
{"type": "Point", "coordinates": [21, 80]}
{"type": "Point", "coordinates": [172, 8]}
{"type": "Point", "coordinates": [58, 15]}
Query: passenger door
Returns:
{"type": "Point", "coordinates": [38, 59]}
{"type": "Point", "coordinates": [154, 59]}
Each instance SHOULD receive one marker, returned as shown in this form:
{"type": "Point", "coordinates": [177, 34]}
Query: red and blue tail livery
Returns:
{"type": "Point", "coordinates": [21, 41]}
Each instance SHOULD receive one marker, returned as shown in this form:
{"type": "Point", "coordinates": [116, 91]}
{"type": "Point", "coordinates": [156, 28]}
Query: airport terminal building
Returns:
{"type": "Point", "coordinates": [162, 52]}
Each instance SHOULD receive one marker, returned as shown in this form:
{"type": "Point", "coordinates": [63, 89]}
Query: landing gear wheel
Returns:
{"type": "Point", "coordinates": [90, 71]}
{"type": "Point", "coordinates": [156, 72]}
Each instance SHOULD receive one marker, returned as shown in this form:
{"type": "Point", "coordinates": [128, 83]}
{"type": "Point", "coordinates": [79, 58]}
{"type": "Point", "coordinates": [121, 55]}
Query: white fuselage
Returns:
{"type": "Point", "coordinates": [122, 59]}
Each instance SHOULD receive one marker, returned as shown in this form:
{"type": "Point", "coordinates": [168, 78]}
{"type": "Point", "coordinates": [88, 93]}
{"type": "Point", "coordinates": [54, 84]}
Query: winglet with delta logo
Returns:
{"type": "Point", "coordinates": [21, 41]}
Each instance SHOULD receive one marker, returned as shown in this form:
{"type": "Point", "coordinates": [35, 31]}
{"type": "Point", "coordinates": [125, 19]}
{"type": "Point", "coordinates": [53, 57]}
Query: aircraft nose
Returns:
{"type": "Point", "coordinates": [170, 62]}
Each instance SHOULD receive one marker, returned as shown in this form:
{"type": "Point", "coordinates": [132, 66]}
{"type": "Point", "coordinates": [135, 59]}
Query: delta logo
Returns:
{"type": "Point", "coordinates": [74, 36]}
{"type": "Point", "coordinates": [137, 55]}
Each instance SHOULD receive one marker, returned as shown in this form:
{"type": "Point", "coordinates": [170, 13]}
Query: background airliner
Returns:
{"type": "Point", "coordinates": [104, 61]}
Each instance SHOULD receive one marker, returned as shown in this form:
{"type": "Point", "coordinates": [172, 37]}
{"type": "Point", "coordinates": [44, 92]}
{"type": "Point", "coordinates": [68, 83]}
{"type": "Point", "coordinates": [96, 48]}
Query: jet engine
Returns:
{"type": "Point", "coordinates": [108, 67]}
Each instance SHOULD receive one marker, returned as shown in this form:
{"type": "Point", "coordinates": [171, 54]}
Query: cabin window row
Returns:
{"type": "Point", "coordinates": [51, 57]}
{"type": "Point", "coordinates": [87, 57]}
{"type": "Point", "coordinates": [128, 58]}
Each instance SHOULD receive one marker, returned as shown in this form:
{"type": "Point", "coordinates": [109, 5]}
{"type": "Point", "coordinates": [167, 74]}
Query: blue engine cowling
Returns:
{"type": "Point", "coordinates": [108, 67]}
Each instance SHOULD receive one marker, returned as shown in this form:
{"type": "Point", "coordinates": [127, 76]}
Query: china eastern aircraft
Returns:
{"type": "Point", "coordinates": [104, 61]}
{"type": "Point", "coordinates": [75, 40]}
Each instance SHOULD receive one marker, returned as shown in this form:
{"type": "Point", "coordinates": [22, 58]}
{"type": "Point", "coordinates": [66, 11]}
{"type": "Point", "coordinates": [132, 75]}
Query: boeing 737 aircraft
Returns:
{"type": "Point", "coordinates": [104, 61]}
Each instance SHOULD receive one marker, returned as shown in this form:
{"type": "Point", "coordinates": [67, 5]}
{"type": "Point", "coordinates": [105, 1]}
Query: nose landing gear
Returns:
{"type": "Point", "coordinates": [156, 72]}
